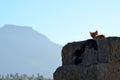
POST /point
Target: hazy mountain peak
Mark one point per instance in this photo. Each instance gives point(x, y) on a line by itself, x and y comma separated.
point(11, 26)
point(27, 50)
point(15, 32)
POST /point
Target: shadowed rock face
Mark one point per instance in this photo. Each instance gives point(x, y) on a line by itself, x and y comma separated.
point(78, 55)
point(78, 58)
point(92, 44)
point(93, 59)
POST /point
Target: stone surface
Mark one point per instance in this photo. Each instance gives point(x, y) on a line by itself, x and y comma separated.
point(92, 59)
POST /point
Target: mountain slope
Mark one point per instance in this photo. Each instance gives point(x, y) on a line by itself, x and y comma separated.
point(24, 50)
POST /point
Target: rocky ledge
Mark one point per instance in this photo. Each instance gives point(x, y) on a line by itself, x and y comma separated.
point(92, 59)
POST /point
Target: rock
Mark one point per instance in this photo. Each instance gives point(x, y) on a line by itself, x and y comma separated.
point(92, 59)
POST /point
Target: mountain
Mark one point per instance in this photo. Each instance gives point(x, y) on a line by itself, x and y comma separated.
point(24, 50)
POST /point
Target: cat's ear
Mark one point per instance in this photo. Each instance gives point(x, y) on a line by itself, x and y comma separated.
point(90, 32)
point(96, 32)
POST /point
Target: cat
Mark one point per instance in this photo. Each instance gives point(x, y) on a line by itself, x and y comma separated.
point(95, 35)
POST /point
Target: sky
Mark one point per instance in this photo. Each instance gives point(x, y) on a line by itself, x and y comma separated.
point(63, 21)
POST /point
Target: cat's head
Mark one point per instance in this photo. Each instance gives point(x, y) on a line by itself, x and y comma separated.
point(94, 34)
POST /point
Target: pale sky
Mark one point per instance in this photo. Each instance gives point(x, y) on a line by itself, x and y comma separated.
point(63, 21)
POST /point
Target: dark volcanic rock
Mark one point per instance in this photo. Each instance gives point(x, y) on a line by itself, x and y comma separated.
point(93, 59)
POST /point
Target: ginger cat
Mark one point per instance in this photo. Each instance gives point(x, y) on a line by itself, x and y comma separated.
point(96, 35)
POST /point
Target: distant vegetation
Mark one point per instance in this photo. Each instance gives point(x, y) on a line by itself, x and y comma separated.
point(23, 77)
